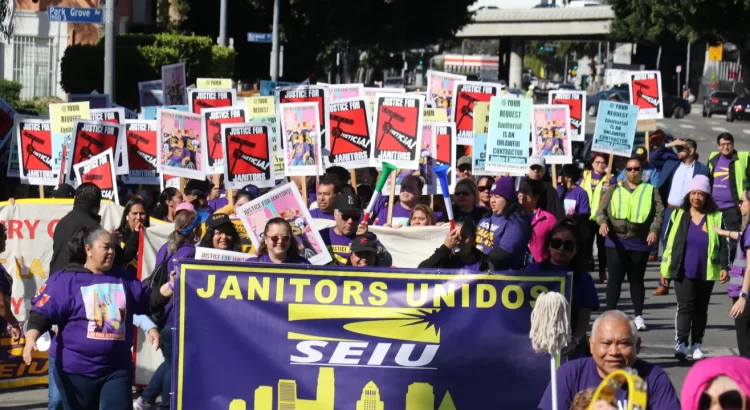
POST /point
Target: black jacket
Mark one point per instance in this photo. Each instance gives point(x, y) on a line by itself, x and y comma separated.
point(80, 216)
point(445, 258)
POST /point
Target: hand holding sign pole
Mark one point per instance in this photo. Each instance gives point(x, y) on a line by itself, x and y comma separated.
point(442, 174)
point(387, 170)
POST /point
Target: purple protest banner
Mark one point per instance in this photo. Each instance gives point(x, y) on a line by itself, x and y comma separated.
point(309, 337)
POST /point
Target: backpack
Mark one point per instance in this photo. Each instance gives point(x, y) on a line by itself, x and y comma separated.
point(159, 276)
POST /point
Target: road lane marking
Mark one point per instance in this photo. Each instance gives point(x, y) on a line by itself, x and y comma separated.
point(688, 126)
point(719, 129)
point(746, 131)
point(713, 122)
point(661, 125)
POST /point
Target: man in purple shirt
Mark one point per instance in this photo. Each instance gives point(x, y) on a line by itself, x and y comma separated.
point(328, 189)
point(614, 346)
point(348, 214)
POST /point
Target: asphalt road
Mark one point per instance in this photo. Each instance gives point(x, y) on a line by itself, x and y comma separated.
point(658, 342)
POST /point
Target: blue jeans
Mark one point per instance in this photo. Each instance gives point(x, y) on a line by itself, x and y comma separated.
point(111, 392)
point(54, 398)
point(166, 386)
point(154, 388)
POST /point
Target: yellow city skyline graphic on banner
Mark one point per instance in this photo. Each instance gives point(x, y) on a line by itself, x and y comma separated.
point(419, 396)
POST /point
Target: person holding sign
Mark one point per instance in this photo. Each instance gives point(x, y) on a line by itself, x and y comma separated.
point(276, 244)
point(504, 236)
point(576, 202)
point(221, 234)
point(696, 257)
point(595, 182)
point(630, 217)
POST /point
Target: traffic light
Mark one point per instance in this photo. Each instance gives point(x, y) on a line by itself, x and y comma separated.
point(575, 67)
point(497, 52)
point(541, 47)
point(420, 61)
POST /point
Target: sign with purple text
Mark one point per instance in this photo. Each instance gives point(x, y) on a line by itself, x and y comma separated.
point(330, 338)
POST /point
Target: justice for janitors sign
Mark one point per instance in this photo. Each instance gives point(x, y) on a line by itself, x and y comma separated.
point(329, 337)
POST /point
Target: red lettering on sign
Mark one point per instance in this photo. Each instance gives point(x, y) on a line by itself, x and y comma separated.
point(16, 302)
point(32, 227)
point(51, 227)
point(14, 229)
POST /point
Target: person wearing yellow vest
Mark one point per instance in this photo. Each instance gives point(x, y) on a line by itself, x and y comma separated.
point(630, 216)
point(729, 177)
point(694, 257)
point(595, 182)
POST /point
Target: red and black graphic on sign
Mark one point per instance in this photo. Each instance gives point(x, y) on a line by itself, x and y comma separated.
point(90, 139)
point(396, 129)
point(110, 115)
point(213, 120)
point(646, 93)
point(35, 139)
point(99, 171)
point(200, 99)
point(575, 102)
point(350, 133)
point(141, 141)
point(444, 148)
point(249, 155)
point(468, 94)
point(309, 94)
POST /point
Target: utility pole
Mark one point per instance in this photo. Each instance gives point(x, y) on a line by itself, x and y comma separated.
point(275, 42)
point(223, 23)
point(687, 67)
point(109, 49)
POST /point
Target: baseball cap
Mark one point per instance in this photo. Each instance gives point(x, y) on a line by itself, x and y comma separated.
point(465, 160)
point(185, 206)
point(348, 202)
point(536, 161)
point(216, 220)
point(364, 243)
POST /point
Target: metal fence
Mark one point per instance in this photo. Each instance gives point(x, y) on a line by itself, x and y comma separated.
point(34, 65)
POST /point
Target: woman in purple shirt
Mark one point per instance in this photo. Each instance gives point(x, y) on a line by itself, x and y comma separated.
point(695, 257)
point(276, 244)
point(93, 305)
point(575, 202)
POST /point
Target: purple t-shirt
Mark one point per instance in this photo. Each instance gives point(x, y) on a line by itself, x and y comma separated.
point(509, 234)
point(6, 289)
point(216, 204)
point(400, 214)
point(721, 191)
point(735, 273)
point(300, 150)
point(185, 250)
point(292, 260)
point(94, 313)
point(338, 245)
point(575, 199)
point(696, 250)
point(595, 178)
point(178, 154)
point(581, 374)
point(630, 244)
point(319, 214)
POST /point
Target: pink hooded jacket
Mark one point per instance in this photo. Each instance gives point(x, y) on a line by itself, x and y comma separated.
point(705, 371)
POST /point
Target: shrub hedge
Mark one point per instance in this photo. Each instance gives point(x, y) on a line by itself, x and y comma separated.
point(139, 57)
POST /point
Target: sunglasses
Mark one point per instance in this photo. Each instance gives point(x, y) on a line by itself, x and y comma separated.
point(567, 245)
point(633, 169)
point(350, 215)
point(483, 188)
point(730, 400)
point(462, 193)
point(275, 239)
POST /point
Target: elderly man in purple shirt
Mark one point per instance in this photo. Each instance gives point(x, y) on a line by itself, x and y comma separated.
point(614, 346)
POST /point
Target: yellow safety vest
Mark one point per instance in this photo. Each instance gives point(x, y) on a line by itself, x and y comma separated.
point(713, 267)
point(595, 196)
point(740, 167)
point(634, 207)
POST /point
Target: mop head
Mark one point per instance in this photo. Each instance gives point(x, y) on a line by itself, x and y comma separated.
point(550, 324)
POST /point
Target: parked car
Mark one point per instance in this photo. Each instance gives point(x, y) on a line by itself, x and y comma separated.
point(717, 103)
point(566, 86)
point(584, 3)
point(673, 106)
point(739, 109)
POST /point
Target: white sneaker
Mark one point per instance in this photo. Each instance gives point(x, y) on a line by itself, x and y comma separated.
point(681, 351)
point(139, 404)
point(697, 351)
point(640, 324)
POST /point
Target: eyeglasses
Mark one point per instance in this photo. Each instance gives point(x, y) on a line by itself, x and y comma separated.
point(462, 193)
point(726, 144)
point(600, 163)
point(633, 169)
point(350, 215)
point(275, 239)
point(483, 188)
point(567, 245)
point(730, 400)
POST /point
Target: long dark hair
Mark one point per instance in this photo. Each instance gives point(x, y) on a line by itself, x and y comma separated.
point(293, 249)
point(162, 209)
point(577, 264)
point(85, 235)
point(709, 205)
point(569, 171)
point(124, 228)
point(208, 238)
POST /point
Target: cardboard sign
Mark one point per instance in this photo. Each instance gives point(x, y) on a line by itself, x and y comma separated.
point(211, 121)
point(35, 152)
point(91, 138)
point(576, 101)
point(309, 93)
point(645, 93)
point(7, 115)
point(150, 93)
point(481, 129)
point(508, 135)
point(249, 152)
point(180, 150)
point(174, 85)
point(398, 129)
point(111, 115)
point(371, 93)
point(351, 133)
point(438, 148)
point(345, 91)
point(466, 95)
point(200, 99)
point(207, 83)
point(14, 167)
point(141, 141)
point(433, 114)
point(440, 88)
point(61, 120)
point(615, 128)
point(551, 133)
point(169, 181)
point(278, 152)
point(95, 100)
point(300, 136)
point(100, 171)
point(258, 107)
point(267, 88)
point(149, 113)
point(210, 254)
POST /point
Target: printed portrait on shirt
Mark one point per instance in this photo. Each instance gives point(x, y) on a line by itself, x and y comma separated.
point(106, 311)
